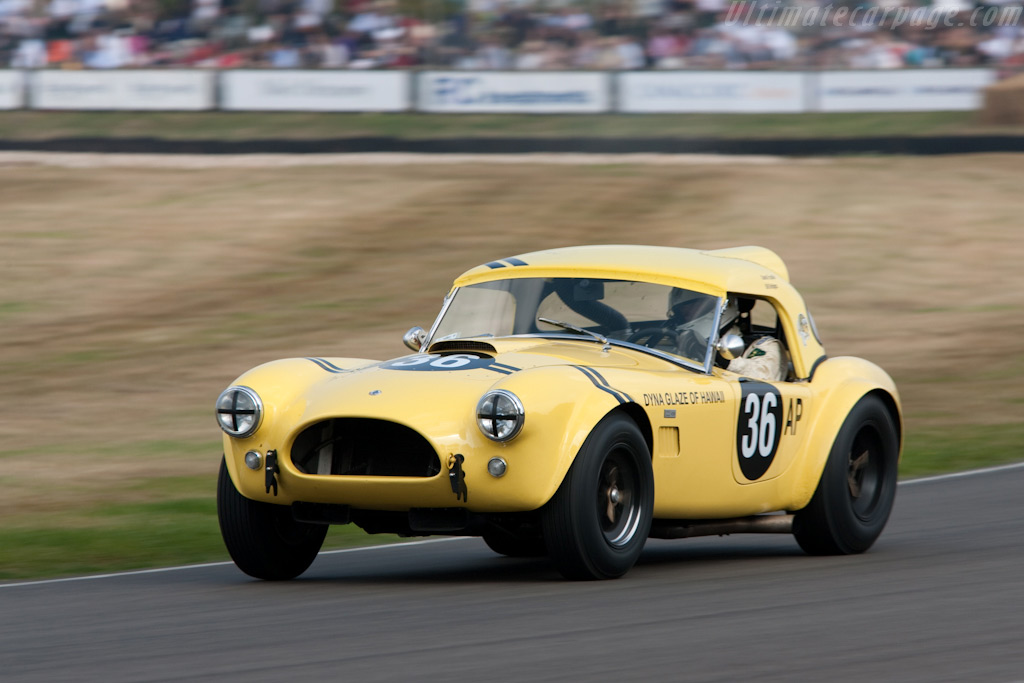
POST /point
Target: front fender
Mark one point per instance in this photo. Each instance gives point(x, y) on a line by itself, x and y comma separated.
point(282, 386)
point(562, 408)
point(839, 384)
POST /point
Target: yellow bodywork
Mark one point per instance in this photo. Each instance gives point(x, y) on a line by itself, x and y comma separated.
point(566, 386)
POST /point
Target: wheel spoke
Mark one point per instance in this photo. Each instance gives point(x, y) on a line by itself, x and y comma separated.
point(611, 492)
point(853, 476)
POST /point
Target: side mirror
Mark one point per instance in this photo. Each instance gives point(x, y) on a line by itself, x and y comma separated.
point(731, 346)
point(415, 338)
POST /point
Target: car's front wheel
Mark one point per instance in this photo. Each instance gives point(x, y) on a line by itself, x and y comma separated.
point(856, 492)
point(263, 539)
point(596, 524)
point(511, 545)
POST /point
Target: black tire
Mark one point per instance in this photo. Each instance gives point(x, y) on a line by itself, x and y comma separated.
point(855, 495)
point(263, 539)
point(510, 545)
point(596, 524)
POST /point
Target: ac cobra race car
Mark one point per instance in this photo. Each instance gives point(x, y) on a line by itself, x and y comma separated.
point(573, 403)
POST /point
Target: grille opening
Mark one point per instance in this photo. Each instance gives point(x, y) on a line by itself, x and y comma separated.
point(364, 447)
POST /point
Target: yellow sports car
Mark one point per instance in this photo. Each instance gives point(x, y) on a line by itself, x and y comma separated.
point(573, 403)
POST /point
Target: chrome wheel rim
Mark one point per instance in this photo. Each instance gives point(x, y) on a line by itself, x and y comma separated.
point(864, 473)
point(618, 499)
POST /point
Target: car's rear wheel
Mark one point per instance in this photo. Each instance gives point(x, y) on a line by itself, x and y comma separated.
point(855, 495)
point(263, 539)
point(596, 524)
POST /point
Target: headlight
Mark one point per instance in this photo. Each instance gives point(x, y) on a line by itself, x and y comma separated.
point(239, 411)
point(500, 415)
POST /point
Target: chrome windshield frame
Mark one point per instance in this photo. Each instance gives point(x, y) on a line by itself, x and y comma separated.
point(709, 352)
point(445, 305)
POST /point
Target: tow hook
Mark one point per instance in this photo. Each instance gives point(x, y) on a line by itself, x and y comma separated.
point(271, 472)
point(457, 477)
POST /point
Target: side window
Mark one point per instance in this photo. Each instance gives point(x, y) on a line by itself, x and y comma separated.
point(759, 319)
point(763, 319)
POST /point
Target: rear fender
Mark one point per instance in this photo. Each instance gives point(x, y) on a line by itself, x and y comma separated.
point(839, 384)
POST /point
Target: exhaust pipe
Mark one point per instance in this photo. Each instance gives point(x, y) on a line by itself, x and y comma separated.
point(691, 528)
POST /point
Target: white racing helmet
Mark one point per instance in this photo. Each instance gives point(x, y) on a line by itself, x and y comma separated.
point(686, 306)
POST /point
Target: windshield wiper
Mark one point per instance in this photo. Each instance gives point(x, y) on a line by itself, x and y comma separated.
point(575, 328)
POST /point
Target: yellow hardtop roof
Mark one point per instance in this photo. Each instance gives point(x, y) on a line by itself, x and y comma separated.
point(739, 269)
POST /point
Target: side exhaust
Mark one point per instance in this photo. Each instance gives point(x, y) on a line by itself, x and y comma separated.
point(691, 528)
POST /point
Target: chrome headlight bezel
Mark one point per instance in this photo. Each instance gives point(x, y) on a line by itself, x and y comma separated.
point(500, 415)
point(235, 421)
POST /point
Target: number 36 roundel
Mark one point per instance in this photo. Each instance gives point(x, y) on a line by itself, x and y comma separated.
point(759, 428)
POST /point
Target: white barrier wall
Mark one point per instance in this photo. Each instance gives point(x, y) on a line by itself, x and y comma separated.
point(564, 92)
point(647, 92)
point(917, 90)
point(141, 90)
point(315, 91)
point(12, 89)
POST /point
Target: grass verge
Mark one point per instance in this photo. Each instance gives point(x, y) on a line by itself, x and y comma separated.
point(35, 125)
point(178, 529)
point(938, 451)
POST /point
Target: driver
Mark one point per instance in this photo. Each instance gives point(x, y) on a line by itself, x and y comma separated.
point(765, 358)
point(692, 316)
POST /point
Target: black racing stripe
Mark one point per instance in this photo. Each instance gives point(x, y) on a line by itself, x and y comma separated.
point(514, 261)
point(332, 366)
point(501, 371)
point(605, 382)
point(494, 264)
point(602, 387)
point(510, 368)
point(324, 365)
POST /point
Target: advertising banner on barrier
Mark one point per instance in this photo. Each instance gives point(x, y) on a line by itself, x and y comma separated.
point(12, 89)
point(910, 90)
point(651, 92)
point(552, 92)
point(141, 90)
point(315, 91)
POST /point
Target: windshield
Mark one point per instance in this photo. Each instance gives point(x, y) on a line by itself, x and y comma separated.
point(659, 317)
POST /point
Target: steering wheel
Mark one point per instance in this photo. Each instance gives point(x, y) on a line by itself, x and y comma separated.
point(654, 335)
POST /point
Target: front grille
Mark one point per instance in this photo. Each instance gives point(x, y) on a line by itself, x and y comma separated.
point(364, 447)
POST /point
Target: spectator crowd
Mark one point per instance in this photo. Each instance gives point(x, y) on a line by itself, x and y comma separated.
point(510, 34)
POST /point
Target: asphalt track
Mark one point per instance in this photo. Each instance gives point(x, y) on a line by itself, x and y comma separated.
point(939, 598)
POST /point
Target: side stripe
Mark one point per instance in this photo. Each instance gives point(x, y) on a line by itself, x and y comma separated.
point(602, 384)
point(629, 399)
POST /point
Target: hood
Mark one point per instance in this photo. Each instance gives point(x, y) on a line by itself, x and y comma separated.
point(452, 375)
